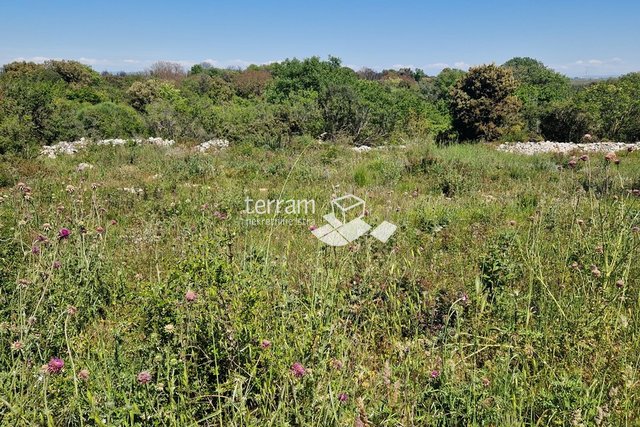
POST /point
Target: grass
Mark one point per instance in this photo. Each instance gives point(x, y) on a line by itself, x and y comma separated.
point(508, 295)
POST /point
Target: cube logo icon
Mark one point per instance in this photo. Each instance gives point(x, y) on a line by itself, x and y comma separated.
point(345, 224)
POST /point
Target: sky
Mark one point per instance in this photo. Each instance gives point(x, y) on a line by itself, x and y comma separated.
point(578, 38)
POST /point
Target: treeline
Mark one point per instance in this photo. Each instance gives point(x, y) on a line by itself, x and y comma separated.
point(271, 104)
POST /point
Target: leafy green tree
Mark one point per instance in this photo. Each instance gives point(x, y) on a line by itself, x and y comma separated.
point(538, 88)
point(73, 72)
point(614, 107)
point(483, 104)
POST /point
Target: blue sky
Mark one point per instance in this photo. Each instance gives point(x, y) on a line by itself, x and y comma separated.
point(578, 38)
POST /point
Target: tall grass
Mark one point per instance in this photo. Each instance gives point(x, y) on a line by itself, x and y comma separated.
point(508, 295)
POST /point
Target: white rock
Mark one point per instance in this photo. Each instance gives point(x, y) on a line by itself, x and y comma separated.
point(531, 148)
point(216, 144)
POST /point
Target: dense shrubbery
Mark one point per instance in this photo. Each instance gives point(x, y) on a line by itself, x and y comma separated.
point(268, 105)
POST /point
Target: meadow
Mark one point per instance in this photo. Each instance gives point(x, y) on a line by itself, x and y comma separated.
point(135, 292)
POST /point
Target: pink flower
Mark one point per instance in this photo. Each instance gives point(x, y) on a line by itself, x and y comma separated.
point(64, 233)
point(55, 365)
point(298, 370)
point(56, 265)
point(312, 227)
point(190, 295)
point(144, 377)
point(265, 344)
point(584, 157)
point(35, 250)
point(435, 374)
point(343, 397)
point(99, 230)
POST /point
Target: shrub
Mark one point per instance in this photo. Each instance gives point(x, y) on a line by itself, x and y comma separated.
point(143, 93)
point(109, 120)
point(565, 122)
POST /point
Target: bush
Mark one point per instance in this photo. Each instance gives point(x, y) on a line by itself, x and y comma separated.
point(565, 122)
point(109, 120)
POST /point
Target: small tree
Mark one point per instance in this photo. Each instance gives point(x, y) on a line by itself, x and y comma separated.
point(483, 104)
point(165, 70)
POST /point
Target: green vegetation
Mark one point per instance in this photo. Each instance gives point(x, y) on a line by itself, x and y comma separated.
point(273, 104)
point(508, 296)
point(136, 290)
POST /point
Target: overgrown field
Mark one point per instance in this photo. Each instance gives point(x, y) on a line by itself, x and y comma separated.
point(508, 295)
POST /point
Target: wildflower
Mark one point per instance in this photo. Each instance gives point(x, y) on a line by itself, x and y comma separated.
point(575, 265)
point(83, 374)
point(337, 364)
point(584, 157)
point(620, 283)
point(70, 189)
point(55, 365)
point(572, 163)
point(17, 346)
point(190, 295)
point(464, 297)
point(64, 233)
point(21, 185)
point(486, 382)
point(32, 320)
point(594, 270)
point(114, 222)
point(312, 227)
point(435, 374)
point(99, 230)
point(46, 226)
point(220, 215)
point(599, 249)
point(298, 370)
point(343, 397)
point(512, 222)
point(610, 156)
point(580, 222)
point(144, 377)
point(56, 265)
point(35, 250)
point(169, 328)
point(265, 344)
point(71, 310)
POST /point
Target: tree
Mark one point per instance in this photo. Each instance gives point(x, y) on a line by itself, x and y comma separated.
point(164, 70)
point(614, 106)
point(483, 104)
point(538, 88)
point(73, 72)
